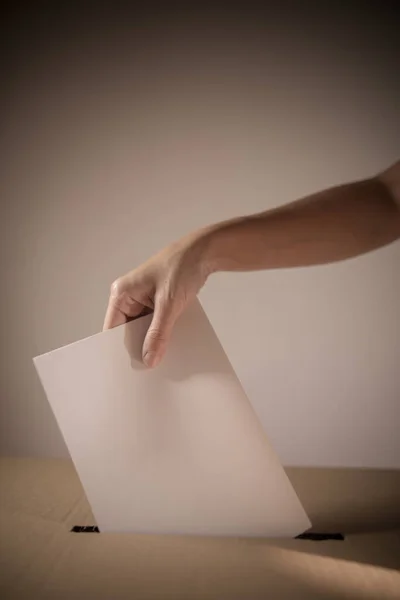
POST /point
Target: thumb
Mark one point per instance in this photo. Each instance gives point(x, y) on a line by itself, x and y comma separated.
point(159, 332)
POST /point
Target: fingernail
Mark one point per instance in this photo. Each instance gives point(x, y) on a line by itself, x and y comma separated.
point(151, 359)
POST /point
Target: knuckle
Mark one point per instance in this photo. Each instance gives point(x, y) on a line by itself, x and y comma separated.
point(118, 287)
point(156, 335)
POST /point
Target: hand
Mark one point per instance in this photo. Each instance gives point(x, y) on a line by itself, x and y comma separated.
point(165, 284)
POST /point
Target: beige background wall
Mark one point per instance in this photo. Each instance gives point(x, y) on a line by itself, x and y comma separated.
point(122, 132)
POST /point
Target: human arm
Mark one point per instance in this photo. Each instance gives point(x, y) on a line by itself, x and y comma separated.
point(332, 225)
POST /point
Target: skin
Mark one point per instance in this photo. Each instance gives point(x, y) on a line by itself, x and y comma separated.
point(332, 225)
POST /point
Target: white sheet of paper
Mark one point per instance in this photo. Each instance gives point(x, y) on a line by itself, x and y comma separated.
point(177, 449)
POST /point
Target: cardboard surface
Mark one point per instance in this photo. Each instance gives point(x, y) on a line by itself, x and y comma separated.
point(177, 449)
point(40, 500)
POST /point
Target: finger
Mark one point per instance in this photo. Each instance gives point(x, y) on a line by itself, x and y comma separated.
point(114, 317)
point(159, 333)
point(120, 309)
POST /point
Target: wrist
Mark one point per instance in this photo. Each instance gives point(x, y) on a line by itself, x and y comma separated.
point(206, 245)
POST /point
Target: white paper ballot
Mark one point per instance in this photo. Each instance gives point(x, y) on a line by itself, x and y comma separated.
point(177, 449)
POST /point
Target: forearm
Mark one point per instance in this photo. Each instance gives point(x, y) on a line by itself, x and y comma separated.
point(329, 226)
